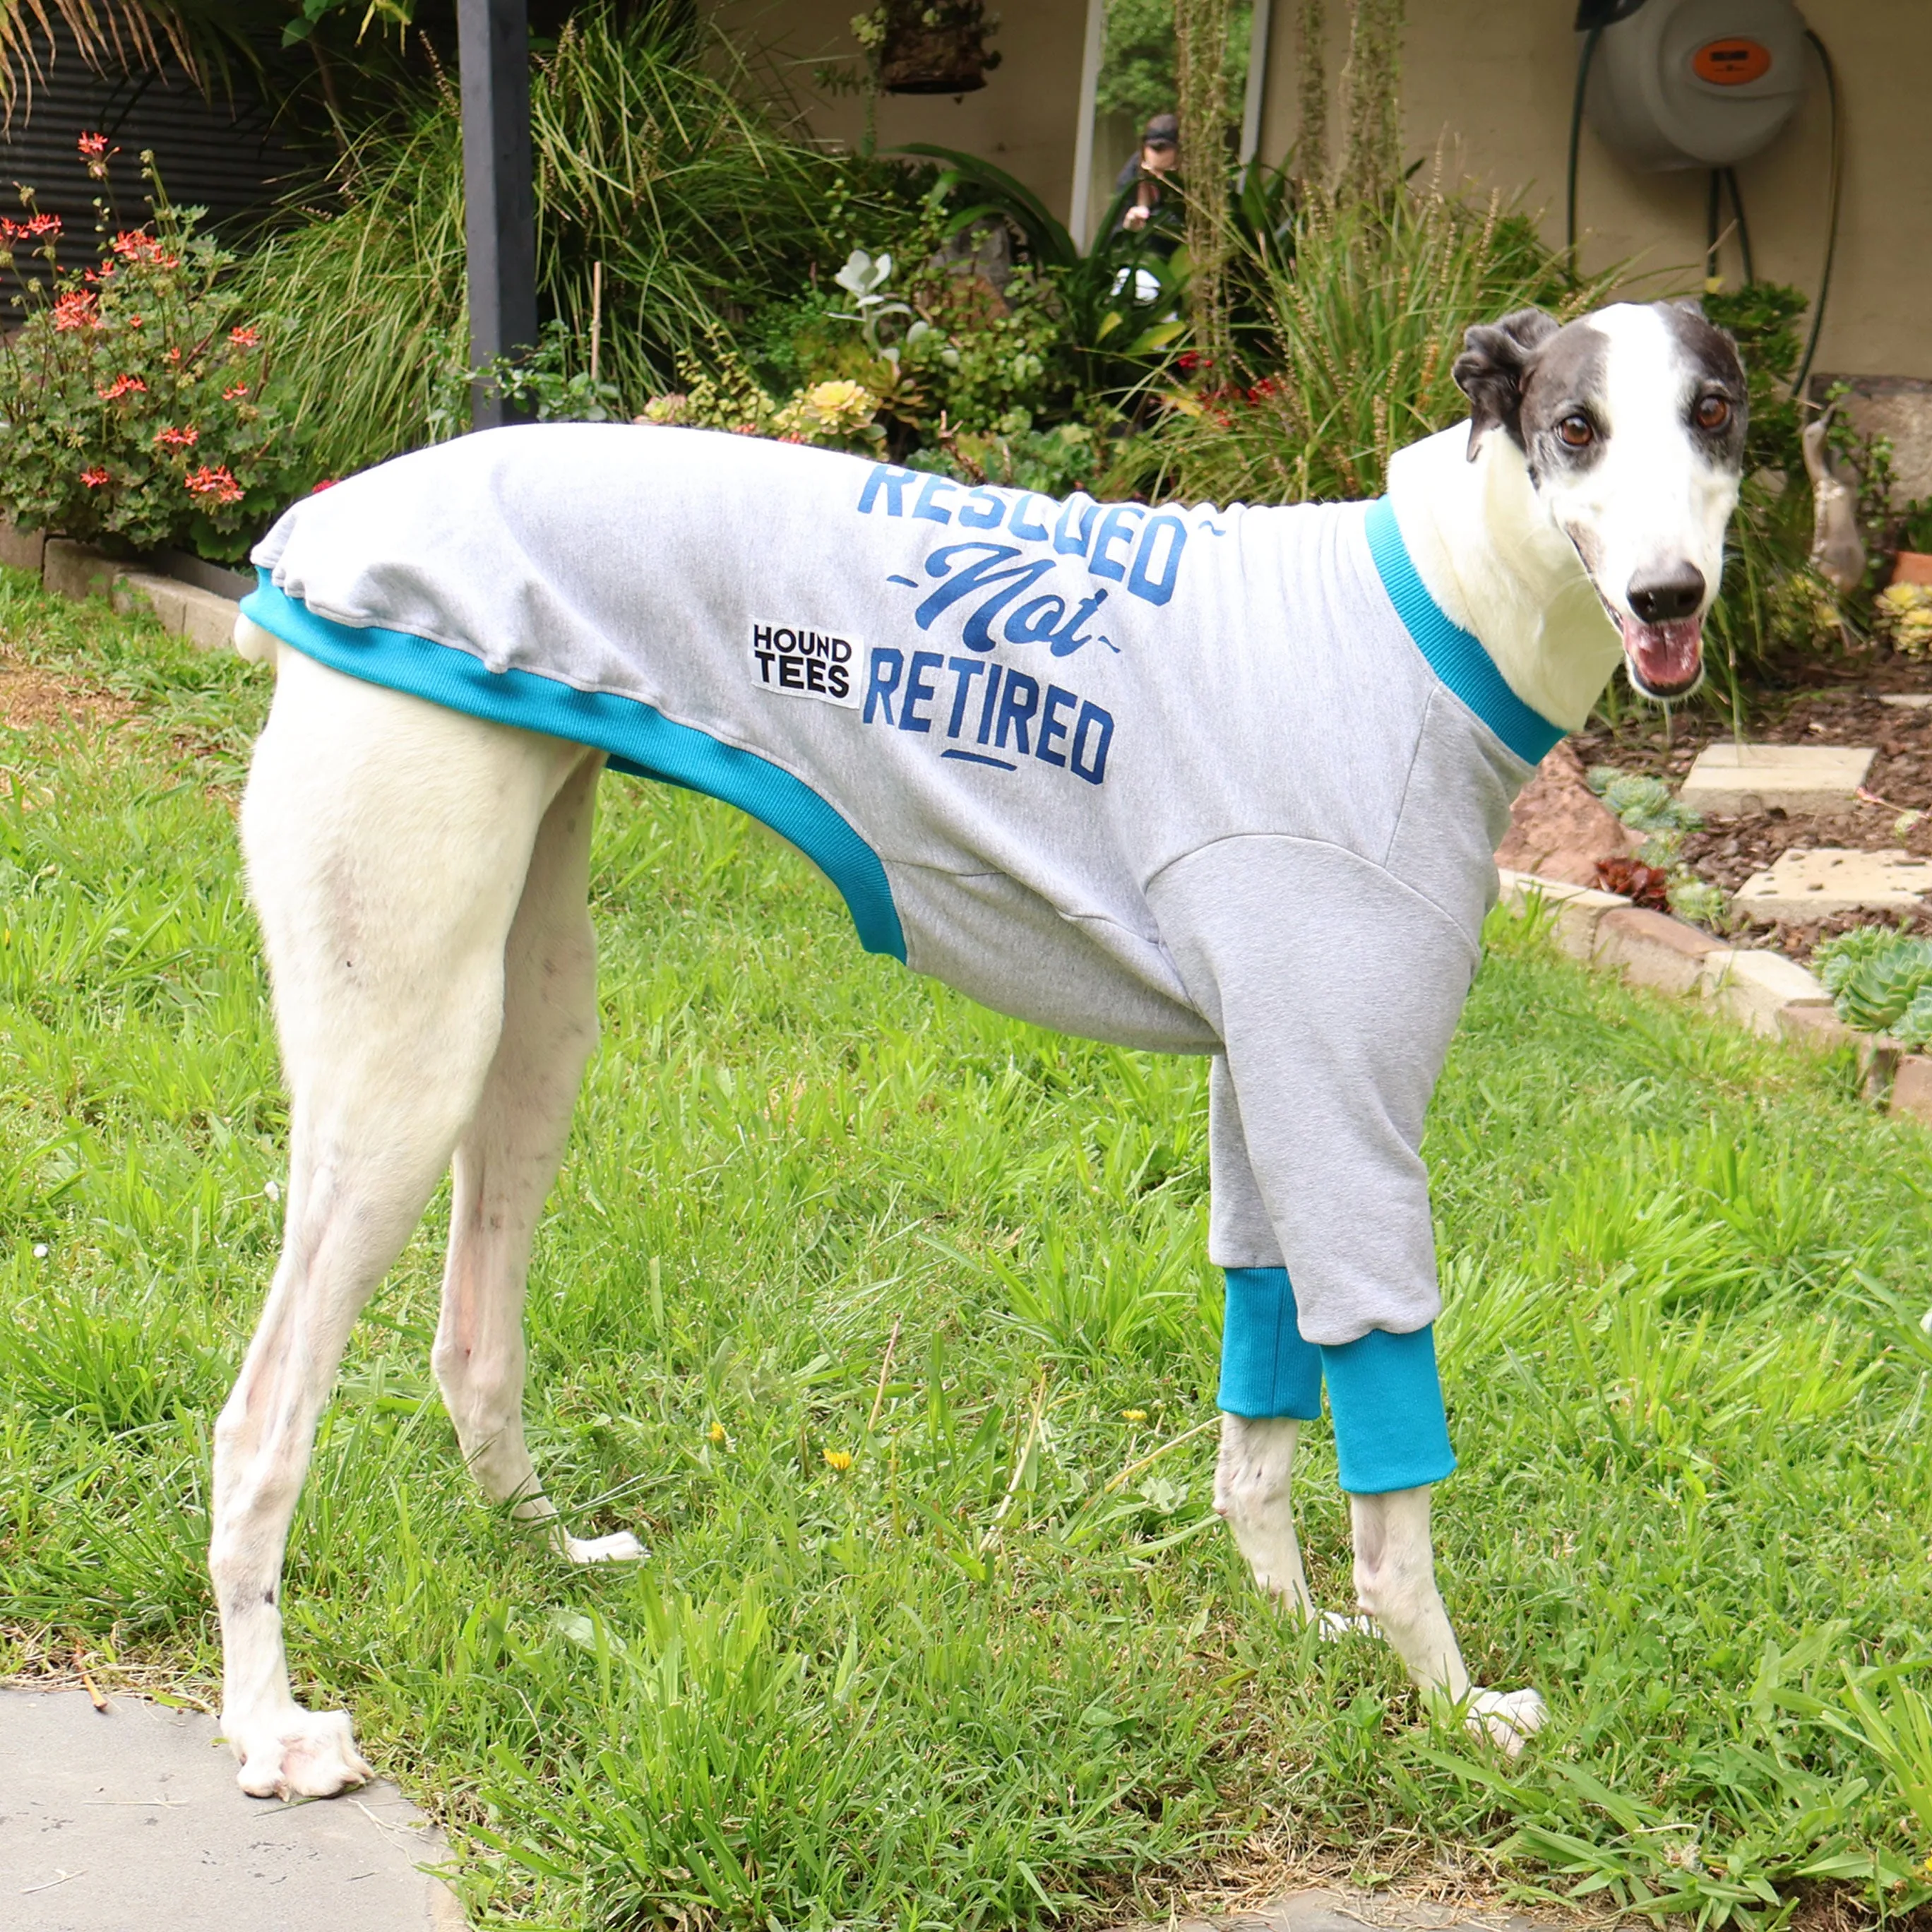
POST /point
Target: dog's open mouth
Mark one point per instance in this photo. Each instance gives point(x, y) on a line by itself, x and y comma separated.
point(1665, 660)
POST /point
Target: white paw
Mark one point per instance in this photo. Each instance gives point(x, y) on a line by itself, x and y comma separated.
point(621, 1548)
point(1331, 1626)
point(1509, 1719)
point(297, 1753)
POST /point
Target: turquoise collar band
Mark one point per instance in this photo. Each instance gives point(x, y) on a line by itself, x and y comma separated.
point(1455, 657)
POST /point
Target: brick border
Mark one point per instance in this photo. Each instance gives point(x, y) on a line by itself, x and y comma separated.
point(1763, 992)
point(77, 571)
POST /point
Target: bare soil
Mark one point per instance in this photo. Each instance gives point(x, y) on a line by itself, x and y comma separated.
point(30, 699)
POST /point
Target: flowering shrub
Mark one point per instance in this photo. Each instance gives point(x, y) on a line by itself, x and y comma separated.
point(135, 402)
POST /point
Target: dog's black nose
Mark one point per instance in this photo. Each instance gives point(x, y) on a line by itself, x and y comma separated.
point(1657, 596)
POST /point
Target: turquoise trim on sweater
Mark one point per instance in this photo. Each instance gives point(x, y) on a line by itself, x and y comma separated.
point(1386, 1397)
point(1456, 658)
point(1390, 1430)
point(1266, 1369)
point(638, 740)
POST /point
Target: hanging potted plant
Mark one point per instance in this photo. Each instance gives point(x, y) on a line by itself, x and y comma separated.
point(928, 46)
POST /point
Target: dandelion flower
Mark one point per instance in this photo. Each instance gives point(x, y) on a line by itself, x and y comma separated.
point(716, 1433)
point(1133, 1415)
point(840, 1460)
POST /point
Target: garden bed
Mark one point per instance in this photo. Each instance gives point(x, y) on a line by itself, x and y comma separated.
point(1728, 851)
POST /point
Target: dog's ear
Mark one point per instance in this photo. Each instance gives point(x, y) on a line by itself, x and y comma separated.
point(1490, 370)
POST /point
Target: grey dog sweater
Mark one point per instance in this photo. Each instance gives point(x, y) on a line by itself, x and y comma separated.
point(1199, 780)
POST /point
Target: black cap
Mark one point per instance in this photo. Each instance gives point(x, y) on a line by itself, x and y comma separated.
point(1162, 131)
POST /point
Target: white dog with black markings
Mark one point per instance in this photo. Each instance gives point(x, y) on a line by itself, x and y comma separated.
point(1223, 782)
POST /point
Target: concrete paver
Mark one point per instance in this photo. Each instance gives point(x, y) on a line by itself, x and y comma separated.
point(130, 1820)
point(1803, 886)
point(1728, 780)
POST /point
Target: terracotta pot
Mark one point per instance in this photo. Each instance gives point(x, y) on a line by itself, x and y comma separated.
point(1912, 566)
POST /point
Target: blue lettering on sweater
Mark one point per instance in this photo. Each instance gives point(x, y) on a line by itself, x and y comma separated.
point(1121, 543)
point(1016, 719)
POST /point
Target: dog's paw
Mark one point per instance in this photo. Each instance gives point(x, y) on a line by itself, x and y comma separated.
point(621, 1548)
point(296, 1754)
point(1509, 1719)
point(1332, 1626)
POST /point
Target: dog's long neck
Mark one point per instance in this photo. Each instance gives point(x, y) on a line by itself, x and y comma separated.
point(1493, 559)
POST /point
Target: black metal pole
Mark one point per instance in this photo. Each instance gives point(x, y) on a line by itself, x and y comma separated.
point(499, 198)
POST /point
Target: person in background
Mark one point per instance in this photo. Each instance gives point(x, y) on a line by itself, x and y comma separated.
point(1155, 205)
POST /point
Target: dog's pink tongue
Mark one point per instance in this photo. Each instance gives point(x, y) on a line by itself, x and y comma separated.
point(1667, 656)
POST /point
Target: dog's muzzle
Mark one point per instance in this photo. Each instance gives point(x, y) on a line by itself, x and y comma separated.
point(1663, 630)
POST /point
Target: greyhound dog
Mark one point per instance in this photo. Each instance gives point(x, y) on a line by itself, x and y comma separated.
point(1205, 780)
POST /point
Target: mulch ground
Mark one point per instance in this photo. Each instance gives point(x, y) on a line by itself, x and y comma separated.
point(1729, 851)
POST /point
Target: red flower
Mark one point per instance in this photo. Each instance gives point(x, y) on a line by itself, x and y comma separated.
point(38, 225)
point(177, 438)
point(76, 310)
point(327, 483)
point(244, 338)
point(133, 321)
point(235, 394)
point(213, 484)
point(93, 478)
point(94, 150)
point(1188, 363)
point(122, 385)
point(135, 245)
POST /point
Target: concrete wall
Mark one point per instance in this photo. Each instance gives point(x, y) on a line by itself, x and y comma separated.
point(1493, 79)
point(1023, 118)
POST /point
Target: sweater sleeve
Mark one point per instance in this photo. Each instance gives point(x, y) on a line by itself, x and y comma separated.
point(1334, 989)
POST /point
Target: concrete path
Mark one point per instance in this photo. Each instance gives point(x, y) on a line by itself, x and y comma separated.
point(129, 1820)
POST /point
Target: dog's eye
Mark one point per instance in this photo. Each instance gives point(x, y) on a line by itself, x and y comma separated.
point(1712, 412)
point(1577, 430)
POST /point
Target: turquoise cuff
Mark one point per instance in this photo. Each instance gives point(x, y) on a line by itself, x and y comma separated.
point(1266, 1369)
point(1391, 1431)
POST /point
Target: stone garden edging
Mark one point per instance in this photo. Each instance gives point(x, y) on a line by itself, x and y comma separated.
point(78, 570)
point(1762, 991)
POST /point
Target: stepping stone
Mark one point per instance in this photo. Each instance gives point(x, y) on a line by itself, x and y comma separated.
point(1803, 886)
point(129, 1819)
point(1908, 701)
point(1729, 781)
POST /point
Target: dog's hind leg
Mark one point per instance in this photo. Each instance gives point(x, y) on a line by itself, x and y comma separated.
point(387, 842)
point(1395, 1583)
point(508, 1156)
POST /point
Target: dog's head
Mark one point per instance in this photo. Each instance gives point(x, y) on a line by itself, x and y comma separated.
point(1632, 422)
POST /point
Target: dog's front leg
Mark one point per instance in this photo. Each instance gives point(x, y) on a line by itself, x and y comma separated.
point(1251, 1491)
point(1395, 1584)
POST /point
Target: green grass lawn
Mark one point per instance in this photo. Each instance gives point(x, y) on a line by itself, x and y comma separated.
point(1004, 1664)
